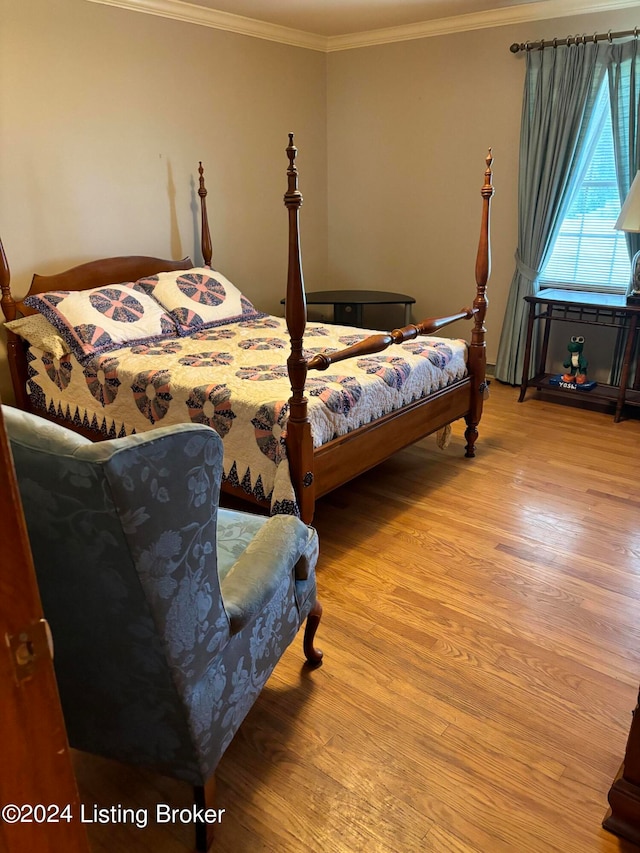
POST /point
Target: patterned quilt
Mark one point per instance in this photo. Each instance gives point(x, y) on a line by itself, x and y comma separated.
point(234, 378)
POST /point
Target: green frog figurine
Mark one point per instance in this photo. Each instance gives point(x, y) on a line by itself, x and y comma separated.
point(576, 365)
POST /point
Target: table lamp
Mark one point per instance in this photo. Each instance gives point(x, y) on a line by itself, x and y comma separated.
point(629, 220)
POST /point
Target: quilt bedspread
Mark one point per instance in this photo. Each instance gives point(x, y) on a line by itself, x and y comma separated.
point(234, 378)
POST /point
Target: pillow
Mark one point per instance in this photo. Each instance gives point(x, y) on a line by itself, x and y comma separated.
point(198, 298)
point(38, 332)
point(103, 318)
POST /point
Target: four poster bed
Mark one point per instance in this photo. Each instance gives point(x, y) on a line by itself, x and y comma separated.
point(120, 345)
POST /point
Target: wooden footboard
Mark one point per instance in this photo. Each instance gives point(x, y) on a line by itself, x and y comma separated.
point(315, 473)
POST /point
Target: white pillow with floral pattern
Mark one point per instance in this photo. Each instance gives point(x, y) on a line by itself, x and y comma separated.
point(103, 318)
point(198, 298)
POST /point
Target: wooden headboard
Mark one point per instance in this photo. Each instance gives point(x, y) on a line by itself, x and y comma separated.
point(85, 276)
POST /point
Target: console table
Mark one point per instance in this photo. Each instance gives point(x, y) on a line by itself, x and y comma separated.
point(348, 304)
point(591, 309)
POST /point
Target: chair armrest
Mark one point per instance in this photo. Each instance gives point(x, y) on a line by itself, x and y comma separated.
point(271, 556)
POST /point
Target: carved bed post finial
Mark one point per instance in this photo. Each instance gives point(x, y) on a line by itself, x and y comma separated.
point(295, 306)
point(298, 429)
point(478, 345)
point(483, 260)
point(207, 248)
point(292, 175)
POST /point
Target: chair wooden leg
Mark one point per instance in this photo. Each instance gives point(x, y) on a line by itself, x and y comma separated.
point(203, 797)
point(313, 655)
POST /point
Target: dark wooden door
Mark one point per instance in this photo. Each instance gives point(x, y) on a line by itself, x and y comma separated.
point(36, 775)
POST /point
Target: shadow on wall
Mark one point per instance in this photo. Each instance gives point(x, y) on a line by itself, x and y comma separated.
point(174, 231)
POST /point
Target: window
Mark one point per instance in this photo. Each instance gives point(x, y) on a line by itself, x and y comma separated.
point(588, 253)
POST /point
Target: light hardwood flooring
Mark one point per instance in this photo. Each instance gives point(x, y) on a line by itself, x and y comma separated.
point(481, 633)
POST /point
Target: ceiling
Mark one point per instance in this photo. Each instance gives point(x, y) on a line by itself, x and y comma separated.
point(341, 17)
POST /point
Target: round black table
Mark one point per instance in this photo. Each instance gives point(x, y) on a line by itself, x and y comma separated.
point(348, 304)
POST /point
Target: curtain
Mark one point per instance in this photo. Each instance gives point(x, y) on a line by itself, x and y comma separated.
point(623, 66)
point(624, 80)
point(560, 91)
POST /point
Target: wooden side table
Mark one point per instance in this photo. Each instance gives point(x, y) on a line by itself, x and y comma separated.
point(348, 304)
point(591, 309)
point(623, 817)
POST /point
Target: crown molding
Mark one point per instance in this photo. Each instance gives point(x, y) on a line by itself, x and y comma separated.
point(538, 11)
point(192, 13)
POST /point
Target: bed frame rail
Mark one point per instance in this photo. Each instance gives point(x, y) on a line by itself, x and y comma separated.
point(381, 342)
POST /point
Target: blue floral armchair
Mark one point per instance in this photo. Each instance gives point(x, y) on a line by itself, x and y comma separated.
point(168, 614)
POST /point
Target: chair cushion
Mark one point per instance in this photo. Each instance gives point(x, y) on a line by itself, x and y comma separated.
point(235, 530)
point(282, 547)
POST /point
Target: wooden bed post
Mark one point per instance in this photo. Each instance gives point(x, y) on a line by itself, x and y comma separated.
point(7, 301)
point(299, 440)
point(205, 233)
point(478, 346)
point(15, 354)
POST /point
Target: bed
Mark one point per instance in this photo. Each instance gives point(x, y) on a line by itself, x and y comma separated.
point(302, 407)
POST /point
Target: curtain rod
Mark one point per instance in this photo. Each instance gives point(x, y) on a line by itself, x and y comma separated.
point(583, 39)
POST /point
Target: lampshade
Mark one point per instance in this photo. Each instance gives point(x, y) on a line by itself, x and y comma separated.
point(629, 219)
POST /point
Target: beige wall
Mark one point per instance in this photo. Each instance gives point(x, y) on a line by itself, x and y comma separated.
point(104, 114)
point(409, 125)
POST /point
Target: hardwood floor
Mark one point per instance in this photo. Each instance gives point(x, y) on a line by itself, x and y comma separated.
point(481, 633)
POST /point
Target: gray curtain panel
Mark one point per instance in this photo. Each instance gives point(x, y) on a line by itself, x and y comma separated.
point(560, 91)
point(624, 82)
point(623, 65)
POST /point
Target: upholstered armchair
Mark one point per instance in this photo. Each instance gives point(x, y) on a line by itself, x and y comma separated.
point(168, 614)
